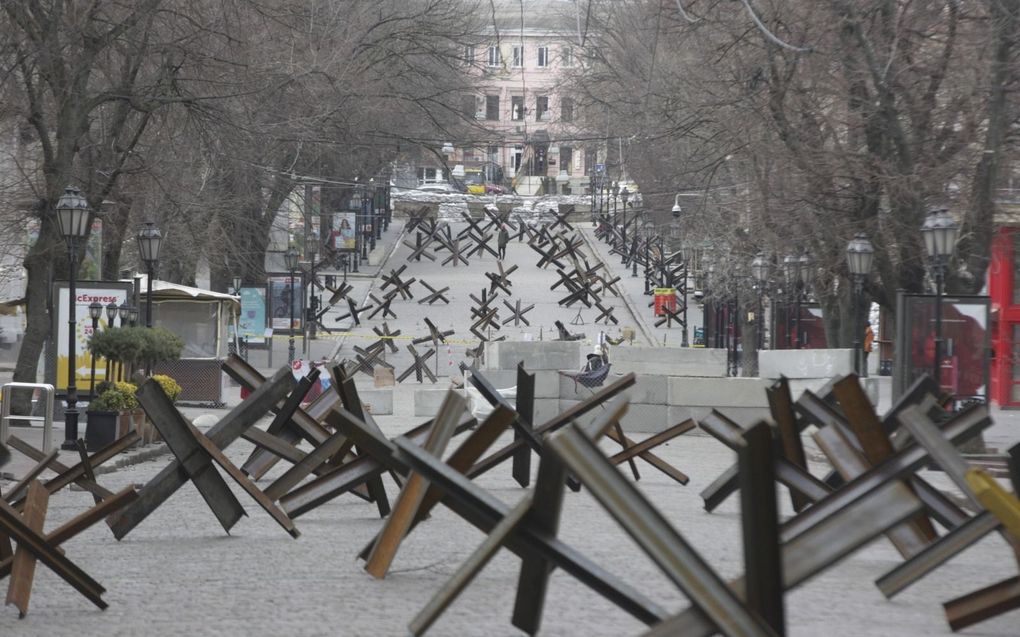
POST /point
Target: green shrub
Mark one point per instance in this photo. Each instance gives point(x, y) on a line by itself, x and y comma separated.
point(118, 397)
point(169, 385)
point(136, 345)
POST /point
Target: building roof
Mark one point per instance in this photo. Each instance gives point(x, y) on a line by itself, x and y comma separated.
point(533, 17)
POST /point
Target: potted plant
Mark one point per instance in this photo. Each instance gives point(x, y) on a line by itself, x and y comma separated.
point(106, 414)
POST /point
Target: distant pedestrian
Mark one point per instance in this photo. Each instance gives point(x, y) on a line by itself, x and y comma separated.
point(502, 240)
point(869, 343)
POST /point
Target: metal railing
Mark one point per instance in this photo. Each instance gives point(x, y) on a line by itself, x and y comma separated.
point(47, 417)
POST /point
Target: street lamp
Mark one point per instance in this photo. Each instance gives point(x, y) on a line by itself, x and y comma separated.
point(676, 207)
point(939, 231)
point(803, 279)
point(235, 283)
point(149, 242)
point(760, 272)
point(624, 196)
point(123, 311)
point(73, 218)
point(859, 253)
point(133, 315)
point(95, 313)
point(291, 258)
point(791, 273)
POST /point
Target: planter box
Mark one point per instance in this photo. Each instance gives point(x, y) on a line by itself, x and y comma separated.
point(101, 429)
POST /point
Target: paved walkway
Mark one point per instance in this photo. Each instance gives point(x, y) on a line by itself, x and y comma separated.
point(178, 573)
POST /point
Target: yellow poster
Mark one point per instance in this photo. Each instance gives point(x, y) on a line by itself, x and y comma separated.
point(85, 296)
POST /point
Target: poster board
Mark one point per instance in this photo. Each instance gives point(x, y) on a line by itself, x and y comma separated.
point(251, 322)
point(87, 291)
point(280, 301)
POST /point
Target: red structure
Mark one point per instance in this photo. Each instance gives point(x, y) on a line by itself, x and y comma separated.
point(1004, 289)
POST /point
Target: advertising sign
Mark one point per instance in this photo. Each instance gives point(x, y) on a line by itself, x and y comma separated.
point(342, 236)
point(104, 292)
point(664, 298)
point(251, 323)
point(285, 303)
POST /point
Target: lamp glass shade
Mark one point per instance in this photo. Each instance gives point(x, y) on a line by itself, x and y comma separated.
point(123, 311)
point(859, 253)
point(150, 239)
point(939, 231)
point(805, 269)
point(73, 214)
point(291, 258)
point(236, 282)
point(111, 312)
point(95, 310)
point(759, 267)
point(791, 269)
point(132, 314)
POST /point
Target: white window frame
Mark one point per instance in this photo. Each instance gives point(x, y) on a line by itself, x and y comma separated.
point(567, 56)
point(469, 54)
point(492, 58)
point(542, 115)
point(517, 56)
point(543, 56)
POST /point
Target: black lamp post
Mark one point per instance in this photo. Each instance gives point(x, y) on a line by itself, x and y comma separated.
point(615, 190)
point(313, 306)
point(791, 272)
point(760, 272)
point(149, 242)
point(73, 219)
point(624, 197)
point(591, 192)
point(95, 313)
point(939, 231)
point(859, 253)
point(649, 233)
point(291, 258)
point(802, 287)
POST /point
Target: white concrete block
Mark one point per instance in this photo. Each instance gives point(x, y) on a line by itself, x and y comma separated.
point(668, 361)
point(805, 363)
point(536, 355)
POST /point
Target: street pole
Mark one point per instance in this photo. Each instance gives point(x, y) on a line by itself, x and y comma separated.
point(290, 301)
point(796, 316)
point(71, 413)
point(855, 321)
point(936, 372)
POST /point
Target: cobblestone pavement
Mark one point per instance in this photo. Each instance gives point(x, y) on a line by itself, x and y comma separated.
point(178, 574)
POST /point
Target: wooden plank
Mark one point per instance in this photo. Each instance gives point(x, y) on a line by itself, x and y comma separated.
point(36, 454)
point(657, 538)
point(983, 604)
point(32, 474)
point(759, 521)
point(867, 428)
point(194, 461)
point(12, 524)
point(907, 539)
point(79, 523)
point(467, 571)
point(23, 563)
point(964, 424)
point(228, 429)
point(904, 574)
point(781, 407)
point(555, 423)
point(301, 469)
point(525, 406)
point(485, 511)
point(830, 538)
point(388, 541)
point(461, 460)
point(245, 483)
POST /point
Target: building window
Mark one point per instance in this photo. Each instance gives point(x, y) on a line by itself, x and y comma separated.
point(493, 59)
point(541, 108)
point(493, 154)
point(428, 175)
point(567, 159)
point(492, 107)
point(567, 55)
point(517, 107)
point(567, 109)
point(468, 105)
point(469, 54)
point(543, 56)
point(518, 56)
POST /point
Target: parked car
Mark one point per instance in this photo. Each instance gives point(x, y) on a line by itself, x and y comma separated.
point(441, 186)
